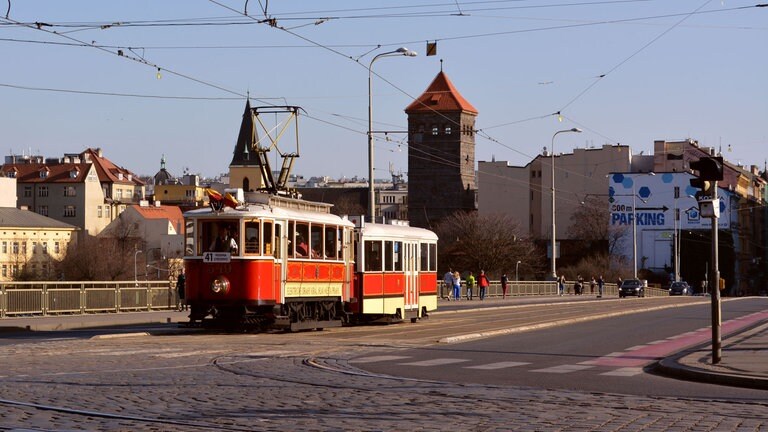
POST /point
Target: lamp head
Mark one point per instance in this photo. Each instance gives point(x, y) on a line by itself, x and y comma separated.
point(406, 52)
point(576, 130)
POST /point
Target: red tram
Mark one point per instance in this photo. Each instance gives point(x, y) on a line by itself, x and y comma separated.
point(280, 262)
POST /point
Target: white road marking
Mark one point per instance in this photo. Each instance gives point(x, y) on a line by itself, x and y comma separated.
point(380, 358)
point(435, 362)
point(563, 369)
point(499, 365)
point(625, 371)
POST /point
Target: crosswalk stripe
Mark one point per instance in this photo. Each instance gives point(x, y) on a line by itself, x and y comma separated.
point(374, 359)
point(499, 365)
point(563, 368)
point(435, 362)
point(625, 371)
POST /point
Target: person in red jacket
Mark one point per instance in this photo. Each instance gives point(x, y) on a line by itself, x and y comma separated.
point(482, 282)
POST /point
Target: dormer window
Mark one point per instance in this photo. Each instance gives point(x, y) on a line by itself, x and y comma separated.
point(44, 172)
point(119, 176)
point(11, 173)
point(74, 173)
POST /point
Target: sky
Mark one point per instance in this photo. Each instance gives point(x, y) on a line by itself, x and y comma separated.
point(624, 71)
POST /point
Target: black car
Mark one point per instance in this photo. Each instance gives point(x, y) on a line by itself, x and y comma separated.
point(680, 288)
point(632, 287)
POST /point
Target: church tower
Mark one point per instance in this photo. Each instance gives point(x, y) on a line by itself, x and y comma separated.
point(441, 154)
point(244, 170)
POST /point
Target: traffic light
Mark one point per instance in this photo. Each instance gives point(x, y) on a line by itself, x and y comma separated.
point(704, 188)
point(709, 168)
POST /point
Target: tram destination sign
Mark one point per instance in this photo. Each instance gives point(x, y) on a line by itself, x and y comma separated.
point(216, 257)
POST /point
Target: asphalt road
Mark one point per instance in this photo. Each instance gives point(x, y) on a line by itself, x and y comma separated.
point(167, 379)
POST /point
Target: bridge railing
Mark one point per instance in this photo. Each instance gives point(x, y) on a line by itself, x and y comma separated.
point(55, 298)
point(544, 288)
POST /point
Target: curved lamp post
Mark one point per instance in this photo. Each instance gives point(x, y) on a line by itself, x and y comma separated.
point(554, 225)
point(371, 192)
point(517, 265)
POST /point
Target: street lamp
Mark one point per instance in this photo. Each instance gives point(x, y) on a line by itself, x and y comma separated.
point(371, 192)
point(517, 265)
point(135, 276)
point(554, 225)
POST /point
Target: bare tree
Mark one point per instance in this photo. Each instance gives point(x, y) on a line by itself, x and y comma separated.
point(492, 243)
point(598, 240)
point(104, 258)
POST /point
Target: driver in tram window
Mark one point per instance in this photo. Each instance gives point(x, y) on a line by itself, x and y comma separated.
point(224, 242)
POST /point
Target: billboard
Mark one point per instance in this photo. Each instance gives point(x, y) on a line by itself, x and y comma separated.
point(655, 199)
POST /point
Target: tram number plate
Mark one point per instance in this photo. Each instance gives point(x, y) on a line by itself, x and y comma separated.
point(216, 257)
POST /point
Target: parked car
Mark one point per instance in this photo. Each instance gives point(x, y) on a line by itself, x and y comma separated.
point(680, 288)
point(632, 287)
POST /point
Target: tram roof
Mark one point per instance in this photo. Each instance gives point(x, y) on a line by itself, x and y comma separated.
point(265, 211)
point(397, 231)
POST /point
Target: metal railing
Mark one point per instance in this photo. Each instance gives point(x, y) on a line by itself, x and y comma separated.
point(539, 288)
point(55, 298)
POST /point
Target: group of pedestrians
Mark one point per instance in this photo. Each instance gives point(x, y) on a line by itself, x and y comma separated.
point(579, 285)
point(452, 285)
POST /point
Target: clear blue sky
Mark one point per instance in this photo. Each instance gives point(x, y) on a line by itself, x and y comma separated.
point(671, 69)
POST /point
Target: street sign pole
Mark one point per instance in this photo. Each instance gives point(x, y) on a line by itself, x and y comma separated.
point(715, 281)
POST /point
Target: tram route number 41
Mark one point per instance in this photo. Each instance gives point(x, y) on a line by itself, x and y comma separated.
point(216, 257)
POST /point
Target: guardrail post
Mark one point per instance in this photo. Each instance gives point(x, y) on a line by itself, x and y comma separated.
point(118, 296)
point(83, 299)
point(149, 296)
point(3, 301)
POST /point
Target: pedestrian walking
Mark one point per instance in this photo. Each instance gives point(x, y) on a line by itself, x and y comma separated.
point(592, 284)
point(447, 285)
point(181, 283)
point(504, 281)
point(456, 286)
point(600, 284)
point(470, 285)
point(482, 281)
point(561, 285)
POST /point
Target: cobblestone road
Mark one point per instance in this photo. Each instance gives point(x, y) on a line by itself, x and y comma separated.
point(300, 382)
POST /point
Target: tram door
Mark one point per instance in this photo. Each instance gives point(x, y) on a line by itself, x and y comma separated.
point(280, 253)
point(410, 267)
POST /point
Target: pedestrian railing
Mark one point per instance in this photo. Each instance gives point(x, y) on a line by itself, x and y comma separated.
point(540, 288)
point(55, 298)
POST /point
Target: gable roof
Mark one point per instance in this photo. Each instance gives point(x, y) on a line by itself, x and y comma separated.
point(11, 217)
point(441, 95)
point(171, 213)
point(108, 171)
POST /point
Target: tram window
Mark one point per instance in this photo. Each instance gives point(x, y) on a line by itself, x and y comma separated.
point(291, 239)
point(302, 234)
point(398, 256)
point(424, 261)
point(316, 240)
point(388, 255)
point(266, 238)
point(372, 256)
point(252, 237)
point(331, 242)
point(189, 238)
point(432, 257)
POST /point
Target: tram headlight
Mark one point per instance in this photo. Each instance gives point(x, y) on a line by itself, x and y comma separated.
point(220, 285)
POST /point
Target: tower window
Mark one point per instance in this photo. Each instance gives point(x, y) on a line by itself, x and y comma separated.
point(434, 130)
point(447, 130)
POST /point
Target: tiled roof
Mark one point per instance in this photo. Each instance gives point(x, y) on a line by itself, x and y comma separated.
point(172, 213)
point(441, 95)
point(108, 171)
point(14, 218)
point(57, 173)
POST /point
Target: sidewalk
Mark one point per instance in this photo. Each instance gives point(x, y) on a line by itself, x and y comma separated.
point(744, 359)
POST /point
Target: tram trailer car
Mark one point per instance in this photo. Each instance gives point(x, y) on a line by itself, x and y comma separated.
point(277, 262)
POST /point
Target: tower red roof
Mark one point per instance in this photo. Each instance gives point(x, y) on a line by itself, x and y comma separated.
point(441, 95)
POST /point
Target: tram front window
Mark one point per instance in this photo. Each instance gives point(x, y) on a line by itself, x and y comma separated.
point(373, 258)
point(252, 237)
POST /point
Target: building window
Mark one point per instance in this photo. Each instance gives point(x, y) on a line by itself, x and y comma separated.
point(27, 191)
point(42, 191)
point(5, 270)
point(56, 248)
point(5, 247)
point(24, 248)
point(434, 130)
point(15, 248)
point(70, 211)
point(42, 210)
point(107, 212)
point(447, 130)
point(45, 247)
point(34, 247)
point(70, 191)
point(98, 211)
